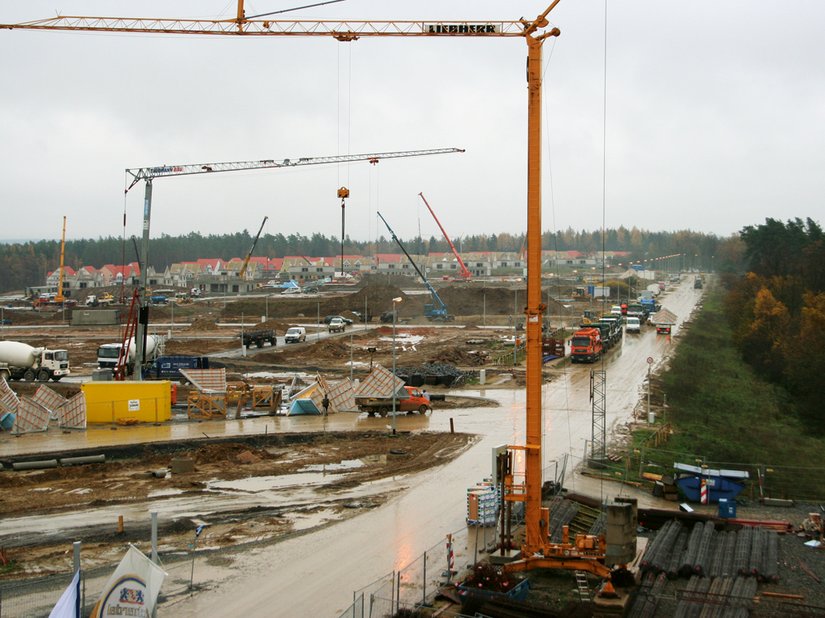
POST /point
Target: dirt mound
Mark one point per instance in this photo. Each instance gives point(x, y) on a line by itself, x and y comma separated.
point(206, 322)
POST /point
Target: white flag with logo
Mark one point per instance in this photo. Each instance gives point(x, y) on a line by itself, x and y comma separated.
point(133, 588)
point(68, 605)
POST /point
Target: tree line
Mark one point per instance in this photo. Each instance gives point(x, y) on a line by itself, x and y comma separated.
point(27, 264)
point(777, 309)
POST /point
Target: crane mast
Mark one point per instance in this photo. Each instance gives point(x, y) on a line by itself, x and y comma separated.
point(465, 273)
point(59, 298)
point(537, 550)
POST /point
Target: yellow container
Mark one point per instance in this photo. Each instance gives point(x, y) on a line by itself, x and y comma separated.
point(128, 402)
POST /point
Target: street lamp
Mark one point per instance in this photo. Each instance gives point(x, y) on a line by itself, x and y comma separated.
point(395, 301)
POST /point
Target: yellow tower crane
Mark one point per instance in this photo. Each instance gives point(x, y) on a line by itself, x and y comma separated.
point(537, 551)
point(59, 298)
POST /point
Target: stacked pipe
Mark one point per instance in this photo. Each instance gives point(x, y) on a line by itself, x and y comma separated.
point(743, 551)
point(770, 563)
point(701, 560)
point(741, 597)
point(677, 554)
point(717, 598)
point(692, 549)
point(647, 603)
point(561, 514)
point(658, 553)
point(758, 541)
point(728, 555)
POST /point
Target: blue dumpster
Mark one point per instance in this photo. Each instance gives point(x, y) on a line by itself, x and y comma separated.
point(727, 508)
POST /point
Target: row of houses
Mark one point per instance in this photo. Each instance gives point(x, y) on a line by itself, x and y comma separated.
point(219, 275)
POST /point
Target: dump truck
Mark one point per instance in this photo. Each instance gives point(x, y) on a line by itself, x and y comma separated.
point(411, 400)
point(586, 345)
point(258, 338)
point(610, 329)
point(20, 361)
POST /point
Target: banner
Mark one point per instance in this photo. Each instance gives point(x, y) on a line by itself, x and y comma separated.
point(133, 588)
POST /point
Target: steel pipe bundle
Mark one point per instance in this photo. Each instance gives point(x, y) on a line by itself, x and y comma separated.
point(677, 554)
point(700, 562)
point(692, 549)
point(743, 551)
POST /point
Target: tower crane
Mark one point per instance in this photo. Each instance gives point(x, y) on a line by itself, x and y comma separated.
point(465, 273)
point(242, 271)
point(149, 174)
point(536, 551)
point(59, 298)
point(436, 310)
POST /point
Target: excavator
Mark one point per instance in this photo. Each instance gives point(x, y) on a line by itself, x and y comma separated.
point(435, 311)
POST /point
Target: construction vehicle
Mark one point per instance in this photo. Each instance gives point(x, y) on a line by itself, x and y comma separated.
point(586, 345)
point(412, 400)
point(583, 552)
point(464, 272)
point(258, 338)
point(109, 354)
point(436, 310)
point(697, 282)
point(242, 271)
point(20, 361)
point(610, 329)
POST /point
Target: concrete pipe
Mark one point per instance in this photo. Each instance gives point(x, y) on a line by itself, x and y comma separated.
point(35, 465)
point(86, 459)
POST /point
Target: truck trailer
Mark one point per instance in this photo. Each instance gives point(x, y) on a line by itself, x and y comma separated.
point(412, 400)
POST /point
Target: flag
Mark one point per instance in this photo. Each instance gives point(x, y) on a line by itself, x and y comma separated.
point(132, 589)
point(68, 605)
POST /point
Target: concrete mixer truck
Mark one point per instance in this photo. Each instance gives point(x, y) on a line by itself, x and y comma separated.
point(20, 361)
point(108, 353)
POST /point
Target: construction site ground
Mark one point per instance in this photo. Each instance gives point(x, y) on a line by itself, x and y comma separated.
point(475, 340)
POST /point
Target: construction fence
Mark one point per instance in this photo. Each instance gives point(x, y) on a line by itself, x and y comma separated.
point(35, 598)
point(416, 584)
point(804, 484)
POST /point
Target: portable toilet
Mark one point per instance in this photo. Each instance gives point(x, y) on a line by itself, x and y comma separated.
point(727, 508)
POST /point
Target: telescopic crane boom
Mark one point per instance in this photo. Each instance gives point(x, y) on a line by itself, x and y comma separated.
point(465, 273)
point(242, 272)
point(437, 310)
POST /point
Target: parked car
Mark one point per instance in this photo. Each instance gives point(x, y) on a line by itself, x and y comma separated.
point(295, 334)
point(337, 325)
point(5, 322)
point(633, 325)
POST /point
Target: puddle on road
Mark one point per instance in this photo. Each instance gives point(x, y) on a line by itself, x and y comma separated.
point(306, 521)
point(347, 464)
point(257, 484)
point(161, 493)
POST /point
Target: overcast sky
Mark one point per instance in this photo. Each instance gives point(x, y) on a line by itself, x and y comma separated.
point(715, 119)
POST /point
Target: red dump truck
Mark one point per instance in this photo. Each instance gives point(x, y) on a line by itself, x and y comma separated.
point(586, 345)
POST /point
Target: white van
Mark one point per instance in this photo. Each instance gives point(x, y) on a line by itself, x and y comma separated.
point(296, 334)
point(633, 325)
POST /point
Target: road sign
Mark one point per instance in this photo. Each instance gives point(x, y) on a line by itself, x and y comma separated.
point(649, 360)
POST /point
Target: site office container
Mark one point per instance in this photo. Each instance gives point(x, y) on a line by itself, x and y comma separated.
point(113, 402)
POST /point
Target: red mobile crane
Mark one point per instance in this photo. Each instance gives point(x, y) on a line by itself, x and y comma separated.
point(465, 273)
